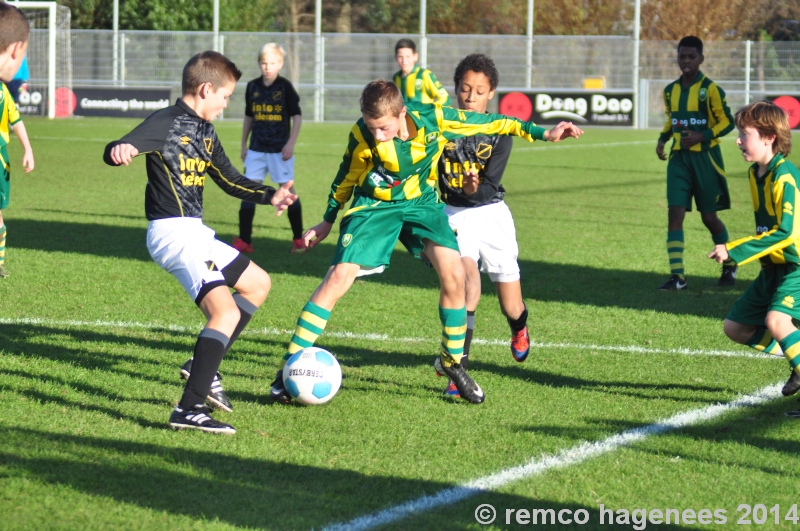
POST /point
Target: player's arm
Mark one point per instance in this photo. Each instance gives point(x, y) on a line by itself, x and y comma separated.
point(22, 134)
point(493, 172)
point(247, 126)
point(721, 112)
point(354, 164)
point(435, 90)
point(147, 137)
point(456, 123)
point(751, 248)
point(666, 131)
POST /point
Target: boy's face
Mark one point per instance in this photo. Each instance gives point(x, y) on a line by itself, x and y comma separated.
point(689, 60)
point(271, 65)
point(474, 91)
point(385, 128)
point(214, 100)
point(753, 146)
point(13, 56)
point(406, 58)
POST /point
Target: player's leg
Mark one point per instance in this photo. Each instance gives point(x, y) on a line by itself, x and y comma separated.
point(256, 165)
point(711, 195)
point(779, 321)
point(473, 296)
point(3, 270)
point(513, 307)
point(5, 189)
point(281, 172)
point(679, 199)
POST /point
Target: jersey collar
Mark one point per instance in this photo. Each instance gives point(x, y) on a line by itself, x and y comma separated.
point(185, 108)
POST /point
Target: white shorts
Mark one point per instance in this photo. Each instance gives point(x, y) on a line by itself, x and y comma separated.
point(187, 249)
point(257, 165)
point(487, 235)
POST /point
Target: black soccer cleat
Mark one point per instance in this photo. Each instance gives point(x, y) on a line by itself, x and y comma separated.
point(728, 276)
point(792, 384)
point(216, 397)
point(198, 419)
point(674, 283)
point(467, 388)
point(278, 390)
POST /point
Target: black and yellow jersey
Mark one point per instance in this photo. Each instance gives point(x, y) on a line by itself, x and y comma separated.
point(271, 108)
point(699, 107)
point(488, 155)
point(401, 170)
point(421, 86)
point(778, 229)
point(9, 115)
point(182, 149)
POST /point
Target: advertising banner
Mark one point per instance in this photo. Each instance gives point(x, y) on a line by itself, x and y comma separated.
point(120, 102)
point(790, 104)
point(583, 108)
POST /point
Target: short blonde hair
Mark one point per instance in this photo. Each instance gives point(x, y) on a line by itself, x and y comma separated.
point(769, 120)
point(271, 47)
point(381, 98)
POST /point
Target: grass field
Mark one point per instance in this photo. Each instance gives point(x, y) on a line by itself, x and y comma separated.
point(615, 406)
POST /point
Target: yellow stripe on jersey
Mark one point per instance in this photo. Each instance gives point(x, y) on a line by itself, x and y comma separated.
point(768, 200)
point(675, 104)
point(411, 187)
point(693, 101)
point(754, 191)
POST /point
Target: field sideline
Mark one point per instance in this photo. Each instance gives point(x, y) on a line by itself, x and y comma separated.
point(631, 398)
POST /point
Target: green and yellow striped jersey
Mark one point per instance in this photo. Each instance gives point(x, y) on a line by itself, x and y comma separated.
point(777, 228)
point(421, 86)
point(698, 107)
point(402, 170)
point(9, 115)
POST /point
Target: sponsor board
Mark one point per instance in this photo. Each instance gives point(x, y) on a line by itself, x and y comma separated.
point(121, 102)
point(32, 101)
point(582, 108)
point(790, 104)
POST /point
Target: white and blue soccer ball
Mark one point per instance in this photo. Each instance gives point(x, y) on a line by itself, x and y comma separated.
point(312, 376)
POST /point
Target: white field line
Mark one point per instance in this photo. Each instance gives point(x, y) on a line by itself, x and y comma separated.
point(580, 145)
point(567, 457)
point(387, 339)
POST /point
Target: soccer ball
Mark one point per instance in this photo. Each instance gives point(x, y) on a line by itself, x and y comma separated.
point(312, 376)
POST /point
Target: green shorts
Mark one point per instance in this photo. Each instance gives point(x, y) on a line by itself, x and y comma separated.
point(5, 179)
point(776, 288)
point(698, 174)
point(370, 229)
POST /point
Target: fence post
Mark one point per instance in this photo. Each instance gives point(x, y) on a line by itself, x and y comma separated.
point(637, 15)
point(643, 103)
point(122, 58)
point(529, 45)
point(423, 34)
point(318, 61)
point(747, 72)
point(115, 44)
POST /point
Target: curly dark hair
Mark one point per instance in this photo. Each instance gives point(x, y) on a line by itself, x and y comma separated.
point(690, 41)
point(477, 62)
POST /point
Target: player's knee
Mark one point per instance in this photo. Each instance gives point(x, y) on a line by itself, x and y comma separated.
point(779, 324)
point(737, 332)
point(453, 279)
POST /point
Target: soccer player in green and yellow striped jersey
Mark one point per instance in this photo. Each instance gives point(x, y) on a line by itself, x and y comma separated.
point(762, 317)
point(389, 172)
point(418, 85)
point(697, 116)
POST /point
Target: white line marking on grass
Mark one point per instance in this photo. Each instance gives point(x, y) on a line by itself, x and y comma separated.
point(72, 139)
point(567, 457)
point(387, 339)
point(577, 146)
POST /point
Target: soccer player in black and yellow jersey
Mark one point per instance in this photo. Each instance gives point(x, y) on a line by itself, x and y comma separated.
point(417, 84)
point(388, 171)
point(697, 116)
point(763, 315)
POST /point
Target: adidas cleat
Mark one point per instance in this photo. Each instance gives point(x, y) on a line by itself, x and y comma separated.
point(278, 390)
point(466, 386)
point(216, 397)
point(520, 345)
point(728, 277)
point(198, 419)
point(792, 384)
point(673, 284)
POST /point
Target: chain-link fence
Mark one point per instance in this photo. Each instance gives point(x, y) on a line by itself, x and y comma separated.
point(330, 73)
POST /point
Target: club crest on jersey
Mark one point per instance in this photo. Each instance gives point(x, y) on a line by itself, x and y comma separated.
point(703, 94)
point(346, 239)
point(418, 84)
point(255, 94)
point(484, 151)
point(185, 140)
point(276, 95)
point(207, 142)
point(431, 137)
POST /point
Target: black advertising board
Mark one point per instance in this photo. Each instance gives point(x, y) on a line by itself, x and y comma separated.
point(582, 108)
point(120, 102)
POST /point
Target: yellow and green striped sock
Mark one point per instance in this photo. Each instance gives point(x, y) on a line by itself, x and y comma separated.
point(454, 331)
point(791, 349)
point(310, 325)
point(675, 248)
point(763, 341)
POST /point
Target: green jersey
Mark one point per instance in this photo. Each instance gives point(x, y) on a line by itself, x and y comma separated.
point(778, 230)
point(699, 107)
point(9, 115)
point(421, 86)
point(400, 170)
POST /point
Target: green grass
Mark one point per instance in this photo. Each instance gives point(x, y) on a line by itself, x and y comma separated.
point(86, 393)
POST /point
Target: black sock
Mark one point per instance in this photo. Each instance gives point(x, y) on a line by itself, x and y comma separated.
point(519, 323)
point(468, 338)
point(208, 353)
point(296, 219)
point(246, 310)
point(246, 215)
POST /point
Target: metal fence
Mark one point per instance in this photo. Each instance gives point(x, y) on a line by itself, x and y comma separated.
point(330, 73)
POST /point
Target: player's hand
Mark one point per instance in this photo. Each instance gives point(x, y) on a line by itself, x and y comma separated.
point(287, 152)
point(27, 161)
point(720, 253)
point(244, 153)
point(283, 197)
point(660, 150)
point(562, 131)
point(471, 182)
point(690, 138)
point(317, 233)
point(123, 154)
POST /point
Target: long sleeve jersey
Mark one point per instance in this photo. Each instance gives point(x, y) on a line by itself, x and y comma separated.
point(699, 107)
point(9, 116)
point(421, 86)
point(486, 154)
point(777, 228)
point(182, 149)
point(400, 170)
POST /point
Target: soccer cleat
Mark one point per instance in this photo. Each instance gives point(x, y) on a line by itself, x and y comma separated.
point(278, 390)
point(673, 284)
point(198, 419)
point(298, 246)
point(452, 390)
point(728, 277)
point(795, 413)
point(466, 386)
point(216, 397)
point(242, 246)
point(520, 345)
point(792, 384)
point(3, 271)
